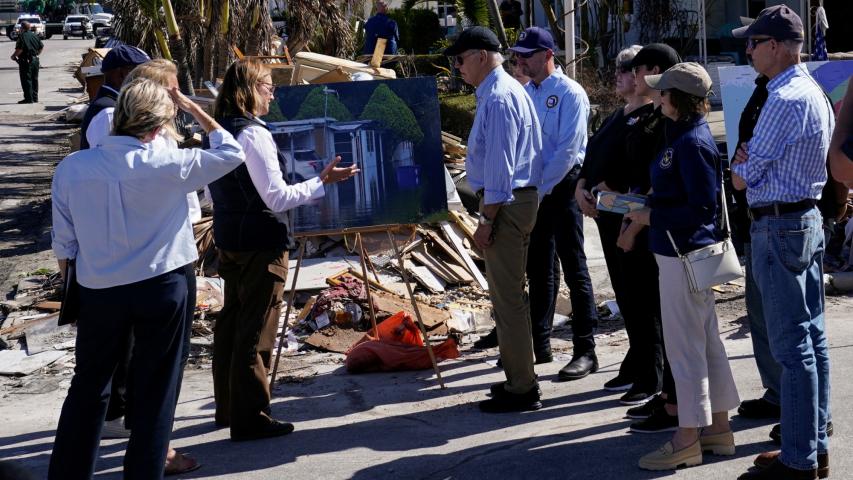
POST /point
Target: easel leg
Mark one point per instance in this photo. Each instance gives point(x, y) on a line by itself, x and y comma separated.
point(415, 307)
point(362, 254)
point(281, 337)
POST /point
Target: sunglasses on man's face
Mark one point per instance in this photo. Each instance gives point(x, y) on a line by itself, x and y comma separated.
point(460, 59)
point(754, 42)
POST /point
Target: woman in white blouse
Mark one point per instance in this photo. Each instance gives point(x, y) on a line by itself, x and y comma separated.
point(253, 254)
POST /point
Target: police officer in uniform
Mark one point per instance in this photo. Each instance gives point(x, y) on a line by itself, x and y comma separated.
point(563, 109)
point(27, 51)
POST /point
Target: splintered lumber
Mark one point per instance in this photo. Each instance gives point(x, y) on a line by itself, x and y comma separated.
point(378, 51)
point(311, 65)
point(387, 304)
point(332, 76)
point(425, 277)
point(458, 264)
point(443, 269)
point(456, 240)
point(465, 222)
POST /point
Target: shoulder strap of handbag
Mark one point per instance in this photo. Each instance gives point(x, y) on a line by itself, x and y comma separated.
point(726, 232)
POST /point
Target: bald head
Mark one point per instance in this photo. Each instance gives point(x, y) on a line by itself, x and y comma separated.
point(25, 26)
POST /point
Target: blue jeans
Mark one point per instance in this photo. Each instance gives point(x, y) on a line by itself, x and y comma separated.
point(768, 368)
point(787, 262)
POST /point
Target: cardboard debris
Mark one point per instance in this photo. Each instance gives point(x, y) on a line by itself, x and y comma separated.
point(387, 304)
point(314, 271)
point(334, 339)
point(17, 363)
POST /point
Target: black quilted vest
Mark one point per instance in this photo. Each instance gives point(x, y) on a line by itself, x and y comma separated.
point(241, 220)
point(105, 98)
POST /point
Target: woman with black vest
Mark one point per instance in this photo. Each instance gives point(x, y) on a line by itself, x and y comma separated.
point(253, 253)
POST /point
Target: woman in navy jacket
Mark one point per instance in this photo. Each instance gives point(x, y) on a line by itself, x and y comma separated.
point(686, 182)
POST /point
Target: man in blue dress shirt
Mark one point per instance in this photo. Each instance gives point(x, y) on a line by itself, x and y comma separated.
point(783, 168)
point(563, 108)
point(504, 168)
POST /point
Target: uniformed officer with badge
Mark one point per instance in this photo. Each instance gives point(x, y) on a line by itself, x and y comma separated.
point(27, 51)
point(563, 109)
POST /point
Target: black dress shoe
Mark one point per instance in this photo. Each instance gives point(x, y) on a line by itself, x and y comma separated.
point(488, 341)
point(24, 101)
point(618, 384)
point(543, 356)
point(274, 428)
point(776, 432)
point(644, 411)
point(759, 408)
point(498, 389)
point(512, 402)
point(779, 471)
point(580, 366)
point(636, 397)
point(658, 421)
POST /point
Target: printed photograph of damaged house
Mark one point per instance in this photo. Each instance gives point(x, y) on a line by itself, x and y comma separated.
point(389, 128)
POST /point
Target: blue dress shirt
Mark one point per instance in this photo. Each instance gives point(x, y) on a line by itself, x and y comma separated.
point(121, 208)
point(787, 154)
point(505, 140)
point(563, 110)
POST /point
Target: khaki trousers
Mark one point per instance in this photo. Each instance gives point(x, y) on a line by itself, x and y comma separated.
point(700, 365)
point(244, 336)
point(506, 262)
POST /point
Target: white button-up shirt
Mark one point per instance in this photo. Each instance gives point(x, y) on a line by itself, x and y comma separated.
point(120, 208)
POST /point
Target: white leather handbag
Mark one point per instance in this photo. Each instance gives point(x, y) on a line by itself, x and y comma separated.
point(713, 265)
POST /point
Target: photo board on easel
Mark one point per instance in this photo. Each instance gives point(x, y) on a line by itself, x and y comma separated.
point(391, 129)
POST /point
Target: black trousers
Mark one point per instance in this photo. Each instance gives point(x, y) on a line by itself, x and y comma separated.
point(155, 311)
point(559, 231)
point(29, 73)
point(634, 276)
point(244, 336)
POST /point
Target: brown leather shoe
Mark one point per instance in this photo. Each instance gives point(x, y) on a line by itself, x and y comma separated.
point(765, 459)
point(779, 471)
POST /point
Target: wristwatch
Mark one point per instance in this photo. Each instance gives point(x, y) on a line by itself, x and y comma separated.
point(484, 220)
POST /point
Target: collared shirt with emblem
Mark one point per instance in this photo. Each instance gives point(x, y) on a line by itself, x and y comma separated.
point(787, 154)
point(505, 140)
point(562, 107)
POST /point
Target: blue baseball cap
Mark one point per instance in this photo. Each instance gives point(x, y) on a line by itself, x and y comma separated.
point(779, 22)
point(124, 56)
point(534, 39)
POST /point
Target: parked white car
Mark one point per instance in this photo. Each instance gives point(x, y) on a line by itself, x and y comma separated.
point(34, 20)
point(77, 26)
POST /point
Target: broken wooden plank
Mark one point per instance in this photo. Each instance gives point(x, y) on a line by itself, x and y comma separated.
point(436, 266)
point(456, 241)
point(465, 222)
point(390, 304)
point(457, 264)
point(425, 277)
point(49, 305)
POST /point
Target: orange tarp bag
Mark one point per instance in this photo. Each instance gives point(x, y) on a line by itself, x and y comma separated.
point(396, 345)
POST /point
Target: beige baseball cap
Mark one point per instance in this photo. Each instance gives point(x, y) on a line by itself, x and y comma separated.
point(689, 77)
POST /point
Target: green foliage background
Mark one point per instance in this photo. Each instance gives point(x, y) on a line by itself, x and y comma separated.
point(392, 113)
point(315, 106)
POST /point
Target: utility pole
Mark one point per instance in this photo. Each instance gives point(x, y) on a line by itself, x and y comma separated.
point(569, 28)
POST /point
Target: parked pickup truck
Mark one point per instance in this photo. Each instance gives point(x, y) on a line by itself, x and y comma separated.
point(34, 20)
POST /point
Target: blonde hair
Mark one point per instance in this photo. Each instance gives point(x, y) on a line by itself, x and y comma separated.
point(238, 95)
point(142, 107)
point(160, 71)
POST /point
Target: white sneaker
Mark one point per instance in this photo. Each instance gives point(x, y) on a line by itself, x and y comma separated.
point(115, 429)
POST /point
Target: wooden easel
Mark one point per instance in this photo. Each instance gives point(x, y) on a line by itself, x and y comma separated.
point(364, 258)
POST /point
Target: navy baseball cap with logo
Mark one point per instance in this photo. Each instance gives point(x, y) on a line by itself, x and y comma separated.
point(779, 22)
point(534, 39)
point(124, 56)
point(474, 38)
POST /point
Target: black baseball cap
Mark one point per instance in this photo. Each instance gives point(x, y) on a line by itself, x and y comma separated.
point(779, 22)
point(123, 56)
point(534, 39)
point(658, 55)
point(474, 38)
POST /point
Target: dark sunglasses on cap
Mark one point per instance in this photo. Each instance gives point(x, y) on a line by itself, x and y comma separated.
point(754, 42)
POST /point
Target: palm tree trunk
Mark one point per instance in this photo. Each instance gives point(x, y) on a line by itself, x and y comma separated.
point(178, 49)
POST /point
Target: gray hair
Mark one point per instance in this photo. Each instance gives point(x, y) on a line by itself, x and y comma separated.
point(627, 54)
point(142, 107)
point(794, 47)
point(495, 57)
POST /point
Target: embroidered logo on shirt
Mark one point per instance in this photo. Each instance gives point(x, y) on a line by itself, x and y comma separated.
point(666, 159)
point(551, 101)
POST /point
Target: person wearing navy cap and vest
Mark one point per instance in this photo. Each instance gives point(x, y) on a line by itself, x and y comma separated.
point(116, 65)
point(505, 168)
point(783, 168)
point(682, 214)
point(252, 245)
point(562, 108)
